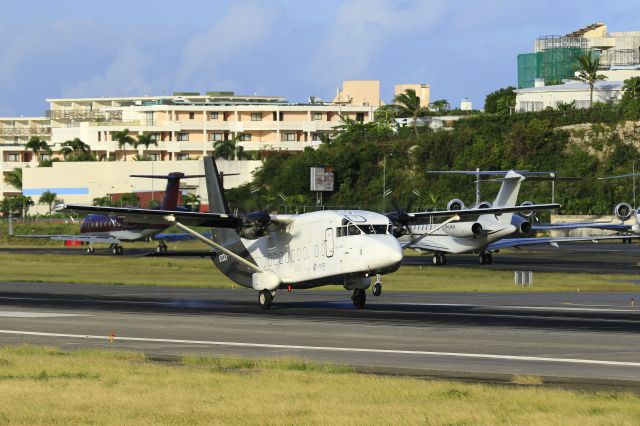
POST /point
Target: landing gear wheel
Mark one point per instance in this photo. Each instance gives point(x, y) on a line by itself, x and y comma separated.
point(359, 298)
point(489, 258)
point(162, 248)
point(117, 250)
point(443, 259)
point(90, 250)
point(482, 259)
point(436, 259)
point(377, 289)
point(265, 297)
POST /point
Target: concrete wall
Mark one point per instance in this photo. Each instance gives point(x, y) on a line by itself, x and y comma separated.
point(81, 182)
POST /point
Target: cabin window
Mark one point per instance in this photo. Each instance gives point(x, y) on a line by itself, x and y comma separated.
point(306, 253)
point(316, 251)
point(353, 230)
point(299, 254)
point(280, 258)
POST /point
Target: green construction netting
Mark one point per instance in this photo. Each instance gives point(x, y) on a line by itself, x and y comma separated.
point(553, 65)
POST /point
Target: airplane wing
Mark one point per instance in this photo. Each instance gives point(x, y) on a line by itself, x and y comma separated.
point(426, 245)
point(170, 237)
point(70, 237)
point(160, 217)
point(470, 214)
point(577, 225)
point(521, 242)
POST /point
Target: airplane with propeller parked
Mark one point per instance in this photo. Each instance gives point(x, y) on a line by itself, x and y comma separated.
point(267, 252)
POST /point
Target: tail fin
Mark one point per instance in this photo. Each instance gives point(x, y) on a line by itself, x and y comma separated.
point(508, 194)
point(217, 201)
point(170, 199)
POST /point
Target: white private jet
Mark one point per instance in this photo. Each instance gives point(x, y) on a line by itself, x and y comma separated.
point(484, 229)
point(268, 252)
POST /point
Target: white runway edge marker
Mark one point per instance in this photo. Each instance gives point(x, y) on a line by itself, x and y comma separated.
point(332, 349)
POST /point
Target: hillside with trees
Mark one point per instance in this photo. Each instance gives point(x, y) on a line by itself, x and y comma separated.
point(602, 140)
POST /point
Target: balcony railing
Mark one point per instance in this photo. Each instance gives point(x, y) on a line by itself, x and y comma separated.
point(24, 131)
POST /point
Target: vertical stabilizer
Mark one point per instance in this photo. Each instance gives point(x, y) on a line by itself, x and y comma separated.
point(508, 194)
point(170, 199)
point(217, 200)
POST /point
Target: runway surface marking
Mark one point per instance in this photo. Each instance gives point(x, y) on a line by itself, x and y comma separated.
point(22, 314)
point(333, 349)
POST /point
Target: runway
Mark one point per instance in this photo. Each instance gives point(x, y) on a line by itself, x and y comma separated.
point(582, 337)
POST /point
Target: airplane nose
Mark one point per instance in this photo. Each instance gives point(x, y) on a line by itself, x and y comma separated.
point(386, 255)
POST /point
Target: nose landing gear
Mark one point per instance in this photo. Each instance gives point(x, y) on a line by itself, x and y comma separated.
point(265, 297)
point(376, 290)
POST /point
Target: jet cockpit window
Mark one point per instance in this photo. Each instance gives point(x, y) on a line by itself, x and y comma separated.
point(353, 229)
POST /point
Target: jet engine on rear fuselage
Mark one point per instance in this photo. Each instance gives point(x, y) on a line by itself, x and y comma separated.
point(523, 226)
point(455, 204)
point(623, 211)
point(462, 229)
point(484, 205)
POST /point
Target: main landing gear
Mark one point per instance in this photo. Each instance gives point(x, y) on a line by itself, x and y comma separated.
point(162, 248)
point(376, 290)
point(116, 249)
point(359, 298)
point(91, 250)
point(485, 259)
point(265, 297)
point(439, 259)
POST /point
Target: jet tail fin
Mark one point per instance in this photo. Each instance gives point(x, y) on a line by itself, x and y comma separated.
point(170, 199)
point(508, 194)
point(217, 200)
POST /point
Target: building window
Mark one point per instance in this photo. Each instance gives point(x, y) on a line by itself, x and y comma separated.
point(192, 115)
point(154, 136)
point(213, 116)
point(183, 137)
point(245, 137)
point(531, 106)
point(181, 157)
point(13, 157)
point(360, 116)
point(315, 136)
point(317, 116)
point(214, 137)
point(45, 157)
point(290, 137)
point(256, 116)
point(582, 104)
point(154, 157)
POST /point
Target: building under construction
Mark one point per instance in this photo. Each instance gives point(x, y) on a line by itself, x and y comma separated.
point(555, 57)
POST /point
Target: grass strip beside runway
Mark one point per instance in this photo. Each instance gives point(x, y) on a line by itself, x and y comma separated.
point(47, 386)
point(201, 273)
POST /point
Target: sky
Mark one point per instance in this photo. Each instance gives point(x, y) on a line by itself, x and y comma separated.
point(289, 48)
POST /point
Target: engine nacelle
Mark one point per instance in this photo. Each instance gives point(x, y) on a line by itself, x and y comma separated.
point(484, 205)
point(254, 225)
point(455, 204)
point(523, 226)
point(462, 229)
point(527, 214)
point(623, 211)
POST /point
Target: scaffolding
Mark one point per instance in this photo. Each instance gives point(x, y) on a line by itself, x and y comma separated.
point(553, 65)
point(550, 42)
point(620, 57)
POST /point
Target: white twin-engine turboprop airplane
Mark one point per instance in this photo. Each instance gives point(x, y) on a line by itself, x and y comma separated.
point(269, 252)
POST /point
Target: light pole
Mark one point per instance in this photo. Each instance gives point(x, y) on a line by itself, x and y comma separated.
point(633, 172)
point(384, 177)
point(553, 187)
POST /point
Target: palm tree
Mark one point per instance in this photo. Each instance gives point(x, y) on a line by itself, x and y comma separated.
point(631, 88)
point(587, 72)
point(37, 145)
point(123, 139)
point(128, 199)
point(146, 140)
point(75, 150)
point(191, 200)
point(224, 149)
point(102, 201)
point(408, 104)
point(49, 198)
point(14, 178)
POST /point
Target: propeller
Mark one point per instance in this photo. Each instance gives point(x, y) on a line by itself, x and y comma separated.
point(254, 224)
point(400, 218)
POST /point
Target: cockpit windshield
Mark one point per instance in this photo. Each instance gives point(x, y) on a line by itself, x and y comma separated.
point(350, 228)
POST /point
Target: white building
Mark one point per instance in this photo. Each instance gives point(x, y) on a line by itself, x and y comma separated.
point(542, 97)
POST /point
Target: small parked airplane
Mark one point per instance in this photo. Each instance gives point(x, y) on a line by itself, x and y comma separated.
point(268, 252)
point(483, 229)
point(114, 229)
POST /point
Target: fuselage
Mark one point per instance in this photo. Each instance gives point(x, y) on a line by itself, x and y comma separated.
point(441, 240)
point(319, 248)
point(116, 227)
